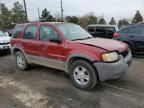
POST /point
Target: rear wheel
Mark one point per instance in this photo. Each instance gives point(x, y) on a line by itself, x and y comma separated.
point(21, 61)
point(83, 75)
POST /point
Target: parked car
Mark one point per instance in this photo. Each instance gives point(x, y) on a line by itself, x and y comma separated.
point(103, 31)
point(4, 42)
point(70, 48)
point(133, 35)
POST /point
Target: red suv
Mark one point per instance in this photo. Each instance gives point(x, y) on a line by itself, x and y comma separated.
point(70, 48)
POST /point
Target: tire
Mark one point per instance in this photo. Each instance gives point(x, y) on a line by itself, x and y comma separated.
point(83, 75)
point(21, 64)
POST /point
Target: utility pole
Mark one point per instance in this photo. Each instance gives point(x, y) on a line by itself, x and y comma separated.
point(62, 10)
point(0, 8)
point(39, 14)
point(25, 10)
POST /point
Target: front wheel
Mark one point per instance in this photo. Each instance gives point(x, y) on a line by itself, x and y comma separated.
point(83, 75)
point(21, 61)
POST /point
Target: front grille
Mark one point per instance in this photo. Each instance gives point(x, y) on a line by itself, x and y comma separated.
point(4, 43)
point(125, 53)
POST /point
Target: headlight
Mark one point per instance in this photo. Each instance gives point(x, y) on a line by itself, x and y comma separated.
point(110, 57)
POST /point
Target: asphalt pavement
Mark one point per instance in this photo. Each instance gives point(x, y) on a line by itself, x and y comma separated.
point(42, 87)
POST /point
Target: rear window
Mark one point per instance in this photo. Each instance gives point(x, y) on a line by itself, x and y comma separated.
point(139, 30)
point(17, 30)
point(105, 29)
point(123, 31)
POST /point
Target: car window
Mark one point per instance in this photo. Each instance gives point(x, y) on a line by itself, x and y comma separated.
point(133, 30)
point(137, 30)
point(73, 32)
point(46, 33)
point(100, 30)
point(124, 31)
point(17, 30)
point(30, 33)
point(91, 29)
point(110, 29)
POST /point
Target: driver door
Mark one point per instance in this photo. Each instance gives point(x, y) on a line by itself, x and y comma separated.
point(51, 52)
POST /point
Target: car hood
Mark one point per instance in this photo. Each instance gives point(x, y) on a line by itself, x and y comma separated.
point(107, 44)
point(4, 39)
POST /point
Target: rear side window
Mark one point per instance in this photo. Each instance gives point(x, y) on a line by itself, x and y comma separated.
point(110, 29)
point(100, 30)
point(105, 29)
point(30, 33)
point(91, 29)
point(17, 30)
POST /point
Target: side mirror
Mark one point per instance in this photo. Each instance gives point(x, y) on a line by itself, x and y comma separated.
point(55, 40)
point(10, 34)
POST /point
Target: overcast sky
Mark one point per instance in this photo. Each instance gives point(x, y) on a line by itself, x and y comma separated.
point(110, 8)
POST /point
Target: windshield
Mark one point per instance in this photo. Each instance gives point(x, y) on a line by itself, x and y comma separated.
point(73, 32)
point(2, 33)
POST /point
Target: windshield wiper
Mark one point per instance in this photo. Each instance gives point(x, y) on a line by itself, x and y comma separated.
point(81, 39)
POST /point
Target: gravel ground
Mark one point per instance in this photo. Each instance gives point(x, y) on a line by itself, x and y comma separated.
point(42, 87)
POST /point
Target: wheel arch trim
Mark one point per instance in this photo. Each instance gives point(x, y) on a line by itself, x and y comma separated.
point(82, 56)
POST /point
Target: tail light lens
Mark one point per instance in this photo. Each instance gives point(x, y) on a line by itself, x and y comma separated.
point(115, 35)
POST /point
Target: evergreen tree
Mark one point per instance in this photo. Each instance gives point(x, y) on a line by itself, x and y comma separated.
point(5, 18)
point(72, 19)
point(102, 21)
point(112, 22)
point(18, 13)
point(122, 23)
point(137, 18)
point(46, 16)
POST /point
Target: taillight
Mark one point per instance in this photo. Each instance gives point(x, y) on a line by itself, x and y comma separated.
point(115, 35)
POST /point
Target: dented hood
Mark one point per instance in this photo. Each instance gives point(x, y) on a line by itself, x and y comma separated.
point(107, 44)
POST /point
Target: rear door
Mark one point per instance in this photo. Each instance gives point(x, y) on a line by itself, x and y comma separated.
point(30, 41)
point(136, 35)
